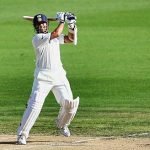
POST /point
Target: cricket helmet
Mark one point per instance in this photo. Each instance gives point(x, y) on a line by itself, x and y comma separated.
point(38, 19)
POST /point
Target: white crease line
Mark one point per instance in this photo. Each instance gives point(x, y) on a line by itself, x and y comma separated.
point(139, 134)
point(85, 141)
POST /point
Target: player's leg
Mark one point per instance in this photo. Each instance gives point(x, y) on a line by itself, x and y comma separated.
point(39, 92)
point(68, 106)
point(62, 92)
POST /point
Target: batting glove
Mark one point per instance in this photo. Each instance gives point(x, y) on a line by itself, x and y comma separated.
point(70, 20)
point(61, 17)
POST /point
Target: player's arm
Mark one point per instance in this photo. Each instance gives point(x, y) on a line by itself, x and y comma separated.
point(57, 32)
point(72, 29)
point(69, 38)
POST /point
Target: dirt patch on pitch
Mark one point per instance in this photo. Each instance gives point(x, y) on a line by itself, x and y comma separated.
point(8, 142)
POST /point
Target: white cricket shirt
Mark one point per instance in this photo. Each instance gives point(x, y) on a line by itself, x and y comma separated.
point(48, 62)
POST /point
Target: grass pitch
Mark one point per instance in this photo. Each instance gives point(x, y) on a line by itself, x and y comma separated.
point(108, 69)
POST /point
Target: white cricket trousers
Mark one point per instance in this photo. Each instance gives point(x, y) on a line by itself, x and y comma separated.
point(39, 92)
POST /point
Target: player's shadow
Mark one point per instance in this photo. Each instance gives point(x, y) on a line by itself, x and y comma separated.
point(8, 142)
point(15, 143)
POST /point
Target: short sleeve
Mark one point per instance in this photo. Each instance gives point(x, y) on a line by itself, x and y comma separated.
point(61, 39)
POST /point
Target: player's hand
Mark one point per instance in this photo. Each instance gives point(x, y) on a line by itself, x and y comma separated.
point(61, 17)
point(70, 17)
point(71, 26)
point(70, 20)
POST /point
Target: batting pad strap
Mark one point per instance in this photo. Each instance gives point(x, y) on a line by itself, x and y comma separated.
point(67, 112)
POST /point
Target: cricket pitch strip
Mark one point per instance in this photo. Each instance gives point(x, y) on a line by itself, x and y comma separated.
point(36, 142)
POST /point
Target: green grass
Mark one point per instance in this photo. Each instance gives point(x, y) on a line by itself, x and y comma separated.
point(109, 68)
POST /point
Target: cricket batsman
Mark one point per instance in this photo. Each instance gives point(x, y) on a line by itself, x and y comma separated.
point(50, 75)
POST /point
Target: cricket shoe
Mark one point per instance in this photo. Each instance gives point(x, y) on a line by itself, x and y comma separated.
point(65, 131)
point(21, 140)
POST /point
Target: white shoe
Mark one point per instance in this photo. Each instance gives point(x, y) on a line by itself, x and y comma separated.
point(21, 140)
point(65, 131)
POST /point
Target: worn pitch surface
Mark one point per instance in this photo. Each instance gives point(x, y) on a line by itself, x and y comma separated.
point(8, 142)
